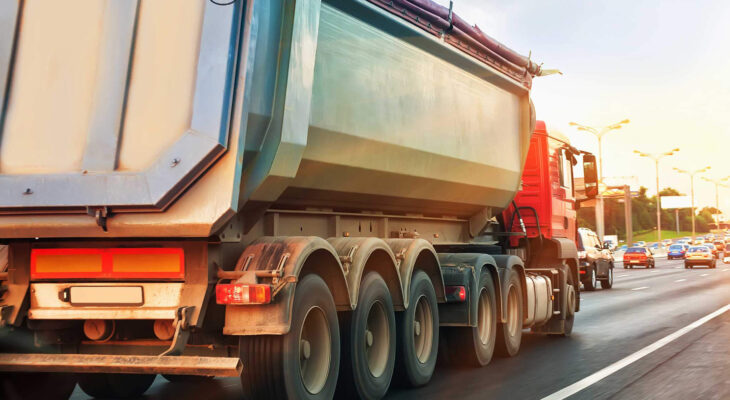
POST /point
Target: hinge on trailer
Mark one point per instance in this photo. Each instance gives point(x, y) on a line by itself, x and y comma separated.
point(100, 214)
point(182, 331)
point(347, 260)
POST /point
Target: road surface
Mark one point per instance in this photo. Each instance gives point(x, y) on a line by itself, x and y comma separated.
point(643, 307)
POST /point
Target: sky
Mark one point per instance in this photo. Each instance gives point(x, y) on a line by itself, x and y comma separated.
point(662, 64)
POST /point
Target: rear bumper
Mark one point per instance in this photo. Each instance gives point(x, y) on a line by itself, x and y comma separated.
point(699, 262)
point(121, 364)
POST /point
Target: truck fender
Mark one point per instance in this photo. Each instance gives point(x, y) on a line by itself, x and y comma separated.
point(417, 253)
point(368, 253)
point(479, 264)
point(294, 256)
point(506, 263)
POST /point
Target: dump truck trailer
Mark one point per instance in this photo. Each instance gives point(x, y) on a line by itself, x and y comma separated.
point(306, 194)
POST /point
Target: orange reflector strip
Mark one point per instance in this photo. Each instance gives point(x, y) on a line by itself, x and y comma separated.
point(114, 263)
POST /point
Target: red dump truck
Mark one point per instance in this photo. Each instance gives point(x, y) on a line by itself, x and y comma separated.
point(308, 195)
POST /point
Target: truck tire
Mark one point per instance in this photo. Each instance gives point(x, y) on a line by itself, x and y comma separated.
point(572, 302)
point(368, 342)
point(608, 282)
point(36, 385)
point(509, 334)
point(418, 333)
point(474, 346)
point(118, 386)
point(304, 363)
point(592, 282)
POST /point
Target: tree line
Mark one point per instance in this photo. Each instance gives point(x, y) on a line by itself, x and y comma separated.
point(644, 215)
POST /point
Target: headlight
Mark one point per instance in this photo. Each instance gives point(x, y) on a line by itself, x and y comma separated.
point(581, 254)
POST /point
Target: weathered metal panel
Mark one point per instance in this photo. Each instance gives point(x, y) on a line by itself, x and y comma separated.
point(133, 104)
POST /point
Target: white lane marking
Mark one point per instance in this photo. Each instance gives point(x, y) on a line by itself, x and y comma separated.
point(726, 269)
point(624, 362)
point(680, 280)
point(677, 267)
point(704, 274)
point(620, 276)
point(641, 288)
point(653, 271)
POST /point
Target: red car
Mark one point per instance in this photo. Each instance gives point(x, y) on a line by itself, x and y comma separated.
point(638, 256)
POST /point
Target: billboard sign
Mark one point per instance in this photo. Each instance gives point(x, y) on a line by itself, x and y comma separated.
point(672, 202)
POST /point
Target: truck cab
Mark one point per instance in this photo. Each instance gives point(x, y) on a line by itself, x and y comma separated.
point(548, 200)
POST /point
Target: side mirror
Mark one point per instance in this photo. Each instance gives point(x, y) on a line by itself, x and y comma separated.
point(590, 175)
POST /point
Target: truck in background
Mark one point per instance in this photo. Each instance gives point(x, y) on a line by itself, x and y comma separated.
point(296, 193)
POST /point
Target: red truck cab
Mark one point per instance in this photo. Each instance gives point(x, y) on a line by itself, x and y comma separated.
point(548, 200)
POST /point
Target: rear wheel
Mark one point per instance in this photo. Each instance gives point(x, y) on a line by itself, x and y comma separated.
point(475, 345)
point(120, 386)
point(368, 342)
point(608, 283)
point(418, 333)
point(509, 333)
point(304, 363)
point(36, 385)
point(591, 283)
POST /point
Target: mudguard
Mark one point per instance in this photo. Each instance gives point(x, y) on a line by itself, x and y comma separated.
point(476, 264)
point(357, 254)
point(293, 256)
point(412, 253)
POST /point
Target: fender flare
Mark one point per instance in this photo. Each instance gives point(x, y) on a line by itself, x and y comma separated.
point(295, 256)
point(417, 253)
point(505, 265)
point(479, 263)
point(360, 253)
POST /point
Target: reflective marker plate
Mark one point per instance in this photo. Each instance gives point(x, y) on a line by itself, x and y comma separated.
point(105, 295)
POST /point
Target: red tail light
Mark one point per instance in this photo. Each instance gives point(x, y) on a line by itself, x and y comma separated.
point(455, 293)
point(239, 293)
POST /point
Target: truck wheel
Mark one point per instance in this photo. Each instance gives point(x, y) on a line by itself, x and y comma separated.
point(187, 378)
point(36, 385)
point(304, 363)
point(591, 284)
point(509, 334)
point(608, 283)
point(368, 342)
point(120, 386)
point(474, 346)
point(418, 333)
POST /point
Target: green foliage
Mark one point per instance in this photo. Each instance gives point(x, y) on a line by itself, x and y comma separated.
point(644, 216)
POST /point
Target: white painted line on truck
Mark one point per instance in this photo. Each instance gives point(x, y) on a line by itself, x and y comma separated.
point(641, 288)
point(626, 361)
point(680, 280)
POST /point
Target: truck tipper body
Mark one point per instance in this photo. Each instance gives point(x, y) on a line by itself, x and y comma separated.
point(299, 193)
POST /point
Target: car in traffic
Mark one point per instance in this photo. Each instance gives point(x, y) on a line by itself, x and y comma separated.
point(640, 243)
point(713, 249)
point(720, 244)
point(677, 251)
point(623, 248)
point(699, 255)
point(667, 242)
point(699, 242)
point(594, 260)
point(638, 257)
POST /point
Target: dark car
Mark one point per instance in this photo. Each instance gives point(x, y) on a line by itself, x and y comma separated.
point(713, 249)
point(638, 256)
point(595, 261)
point(677, 251)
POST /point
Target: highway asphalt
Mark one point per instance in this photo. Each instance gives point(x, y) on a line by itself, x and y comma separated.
point(643, 307)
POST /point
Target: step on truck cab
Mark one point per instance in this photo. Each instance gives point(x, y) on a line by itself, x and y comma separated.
point(296, 193)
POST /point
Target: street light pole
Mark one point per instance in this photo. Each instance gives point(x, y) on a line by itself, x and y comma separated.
point(692, 191)
point(656, 158)
point(599, 135)
point(717, 183)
